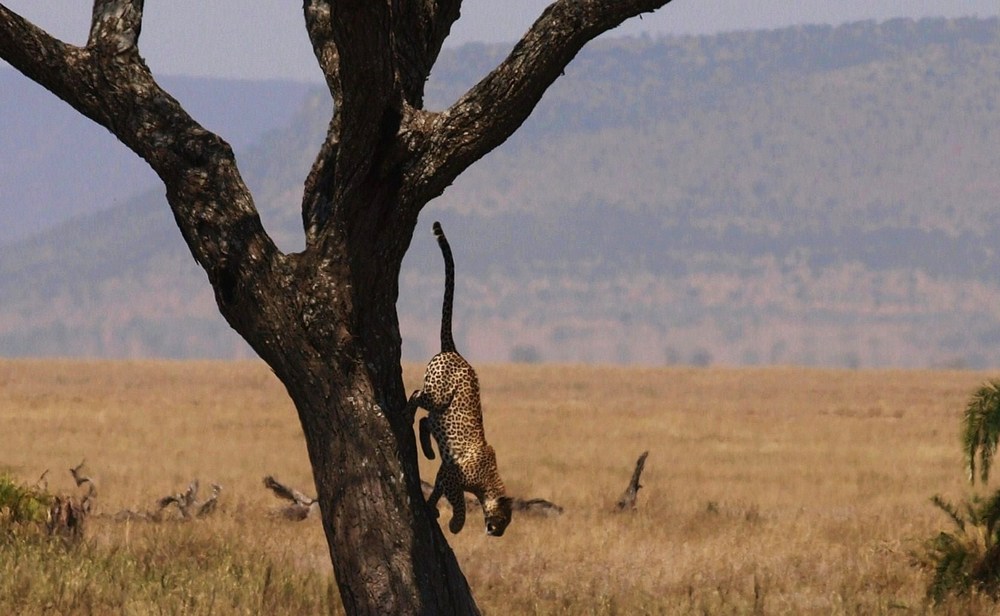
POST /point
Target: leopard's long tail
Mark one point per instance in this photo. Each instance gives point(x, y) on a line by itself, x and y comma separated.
point(447, 341)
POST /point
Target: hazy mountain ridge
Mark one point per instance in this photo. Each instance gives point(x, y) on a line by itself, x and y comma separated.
point(808, 195)
point(57, 164)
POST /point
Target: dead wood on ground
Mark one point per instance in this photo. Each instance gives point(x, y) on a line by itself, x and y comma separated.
point(68, 515)
point(186, 503)
point(301, 505)
point(530, 506)
point(627, 500)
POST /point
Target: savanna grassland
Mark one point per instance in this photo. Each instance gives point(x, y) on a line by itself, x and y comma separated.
point(767, 491)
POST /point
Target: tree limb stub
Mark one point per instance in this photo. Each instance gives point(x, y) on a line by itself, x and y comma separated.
point(115, 25)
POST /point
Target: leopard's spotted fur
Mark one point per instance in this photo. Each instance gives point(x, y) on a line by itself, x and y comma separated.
point(455, 417)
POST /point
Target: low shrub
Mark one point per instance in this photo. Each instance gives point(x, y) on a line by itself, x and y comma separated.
point(22, 505)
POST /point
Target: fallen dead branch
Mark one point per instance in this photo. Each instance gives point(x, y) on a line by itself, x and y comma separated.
point(301, 505)
point(68, 515)
point(43, 483)
point(187, 501)
point(78, 476)
point(532, 506)
point(537, 507)
point(627, 500)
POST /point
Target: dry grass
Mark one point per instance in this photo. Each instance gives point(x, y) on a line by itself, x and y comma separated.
point(768, 491)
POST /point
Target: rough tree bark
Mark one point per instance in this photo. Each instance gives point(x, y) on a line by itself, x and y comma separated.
point(325, 319)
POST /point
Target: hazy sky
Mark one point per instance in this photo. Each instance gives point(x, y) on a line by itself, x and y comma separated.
point(266, 38)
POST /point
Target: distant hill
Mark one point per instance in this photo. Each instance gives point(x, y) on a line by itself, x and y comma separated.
point(813, 195)
point(56, 164)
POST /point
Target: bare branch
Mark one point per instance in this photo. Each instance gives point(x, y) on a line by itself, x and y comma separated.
point(495, 107)
point(116, 25)
point(317, 206)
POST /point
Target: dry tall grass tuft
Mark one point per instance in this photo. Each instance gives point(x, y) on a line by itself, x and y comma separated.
point(774, 491)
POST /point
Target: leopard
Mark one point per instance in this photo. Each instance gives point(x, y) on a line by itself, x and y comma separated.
point(450, 394)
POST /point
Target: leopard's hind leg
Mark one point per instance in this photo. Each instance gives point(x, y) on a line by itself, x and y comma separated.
point(453, 492)
point(448, 483)
point(432, 500)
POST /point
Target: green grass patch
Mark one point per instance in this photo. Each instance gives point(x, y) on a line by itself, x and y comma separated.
point(21, 505)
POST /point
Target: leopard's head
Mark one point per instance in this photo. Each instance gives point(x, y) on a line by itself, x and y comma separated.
point(497, 512)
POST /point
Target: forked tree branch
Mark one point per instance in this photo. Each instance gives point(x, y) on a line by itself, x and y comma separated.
point(495, 107)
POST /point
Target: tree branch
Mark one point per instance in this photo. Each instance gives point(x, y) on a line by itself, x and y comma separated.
point(317, 206)
point(34, 52)
point(495, 107)
point(352, 43)
point(420, 29)
point(318, 25)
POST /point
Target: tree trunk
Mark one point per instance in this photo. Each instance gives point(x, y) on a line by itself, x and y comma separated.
point(325, 319)
point(335, 345)
point(389, 556)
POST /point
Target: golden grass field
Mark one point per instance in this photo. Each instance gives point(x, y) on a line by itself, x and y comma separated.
point(766, 491)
